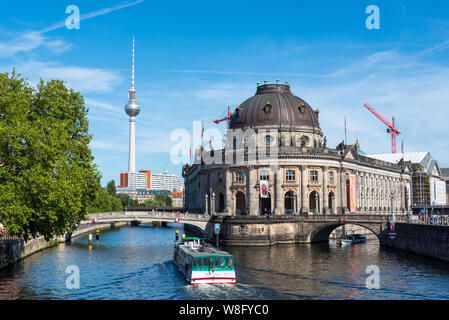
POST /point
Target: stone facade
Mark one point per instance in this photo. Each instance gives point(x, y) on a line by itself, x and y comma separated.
point(427, 240)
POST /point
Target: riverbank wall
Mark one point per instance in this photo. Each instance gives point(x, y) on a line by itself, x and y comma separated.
point(14, 249)
point(431, 241)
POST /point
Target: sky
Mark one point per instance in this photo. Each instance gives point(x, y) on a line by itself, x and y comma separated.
point(195, 58)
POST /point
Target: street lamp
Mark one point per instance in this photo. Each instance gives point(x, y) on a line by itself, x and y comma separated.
point(294, 204)
point(392, 210)
point(316, 204)
point(212, 208)
point(207, 196)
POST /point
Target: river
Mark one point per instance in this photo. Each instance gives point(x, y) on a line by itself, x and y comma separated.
point(135, 263)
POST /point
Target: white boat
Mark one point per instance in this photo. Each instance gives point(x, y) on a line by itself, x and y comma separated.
point(203, 264)
point(352, 238)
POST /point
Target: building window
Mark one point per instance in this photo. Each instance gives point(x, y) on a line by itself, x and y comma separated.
point(267, 107)
point(268, 139)
point(239, 176)
point(331, 177)
point(314, 176)
point(220, 176)
point(264, 175)
point(290, 175)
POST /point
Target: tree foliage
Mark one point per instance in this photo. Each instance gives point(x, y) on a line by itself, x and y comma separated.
point(110, 187)
point(105, 202)
point(47, 175)
point(159, 200)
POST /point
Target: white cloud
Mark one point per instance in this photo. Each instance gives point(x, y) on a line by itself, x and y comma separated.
point(29, 41)
point(103, 105)
point(79, 78)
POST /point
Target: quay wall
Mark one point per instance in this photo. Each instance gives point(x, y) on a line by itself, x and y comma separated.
point(431, 241)
point(12, 250)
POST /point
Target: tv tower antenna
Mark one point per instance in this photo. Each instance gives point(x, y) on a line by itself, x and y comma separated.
point(132, 109)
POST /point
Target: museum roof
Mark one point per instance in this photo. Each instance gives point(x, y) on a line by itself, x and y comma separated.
point(274, 105)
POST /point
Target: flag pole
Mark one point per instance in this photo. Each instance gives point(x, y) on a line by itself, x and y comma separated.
point(345, 131)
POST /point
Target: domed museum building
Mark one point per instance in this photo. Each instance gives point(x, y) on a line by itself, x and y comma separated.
point(276, 160)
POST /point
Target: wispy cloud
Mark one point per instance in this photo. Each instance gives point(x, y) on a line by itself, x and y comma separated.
point(29, 41)
point(93, 14)
point(103, 105)
point(79, 78)
point(245, 73)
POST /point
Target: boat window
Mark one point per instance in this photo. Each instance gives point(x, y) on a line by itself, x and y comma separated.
point(206, 261)
point(228, 261)
point(218, 261)
point(198, 262)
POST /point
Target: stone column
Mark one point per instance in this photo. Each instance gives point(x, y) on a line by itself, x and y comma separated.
point(251, 192)
point(325, 191)
point(343, 191)
point(228, 184)
point(304, 191)
point(278, 192)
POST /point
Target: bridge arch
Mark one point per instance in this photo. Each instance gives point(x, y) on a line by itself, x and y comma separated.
point(322, 231)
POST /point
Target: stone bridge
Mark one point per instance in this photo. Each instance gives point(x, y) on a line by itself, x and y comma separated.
point(268, 230)
point(256, 230)
point(196, 223)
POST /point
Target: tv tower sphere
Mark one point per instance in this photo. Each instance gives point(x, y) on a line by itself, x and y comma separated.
point(132, 108)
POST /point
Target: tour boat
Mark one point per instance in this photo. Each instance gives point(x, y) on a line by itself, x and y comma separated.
point(203, 264)
point(352, 238)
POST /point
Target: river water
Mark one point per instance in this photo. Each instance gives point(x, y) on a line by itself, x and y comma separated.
point(135, 263)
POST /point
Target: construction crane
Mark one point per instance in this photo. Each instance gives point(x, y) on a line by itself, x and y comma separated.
point(227, 118)
point(391, 129)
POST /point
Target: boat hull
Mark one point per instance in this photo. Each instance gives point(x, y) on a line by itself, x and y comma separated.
point(204, 277)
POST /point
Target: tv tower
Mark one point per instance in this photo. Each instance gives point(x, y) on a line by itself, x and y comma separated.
point(132, 109)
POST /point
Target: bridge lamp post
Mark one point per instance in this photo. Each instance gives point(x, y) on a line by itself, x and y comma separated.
point(206, 197)
point(316, 204)
point(392, 210)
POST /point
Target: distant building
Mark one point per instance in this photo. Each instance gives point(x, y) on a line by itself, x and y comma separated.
point(428, 182)
point(139, 180)
point(445, 172)
point(178, 199)
point(131, 192)
point(165, 181)
point(145, 194)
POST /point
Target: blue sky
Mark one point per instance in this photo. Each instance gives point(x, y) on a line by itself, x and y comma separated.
point(194, 58)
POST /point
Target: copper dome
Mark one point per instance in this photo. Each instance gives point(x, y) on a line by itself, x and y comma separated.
point(274, 105)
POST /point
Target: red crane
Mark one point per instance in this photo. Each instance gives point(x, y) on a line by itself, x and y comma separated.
point(391, 129)
point(228, 117)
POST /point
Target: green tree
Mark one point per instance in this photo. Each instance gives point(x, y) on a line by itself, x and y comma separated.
point(110, 187)
point(47, 175)
point(104, 202)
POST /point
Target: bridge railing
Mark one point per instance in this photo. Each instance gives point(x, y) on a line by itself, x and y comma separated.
point(149, 214)
point(318, 217)
point(439, 220)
